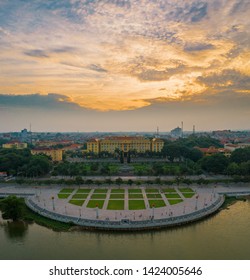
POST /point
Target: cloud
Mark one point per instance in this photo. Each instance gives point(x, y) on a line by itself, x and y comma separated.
point(49, 101)
point(96, 68)
point(37, 53)
point(229, 79)
point(196, 47)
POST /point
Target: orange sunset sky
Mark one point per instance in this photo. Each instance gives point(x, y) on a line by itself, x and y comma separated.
point(110, 65)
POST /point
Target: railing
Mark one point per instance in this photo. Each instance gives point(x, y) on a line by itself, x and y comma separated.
point(130, 224)
point(3, 195)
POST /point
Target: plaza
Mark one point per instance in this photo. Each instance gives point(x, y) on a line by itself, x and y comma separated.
point(125, 207)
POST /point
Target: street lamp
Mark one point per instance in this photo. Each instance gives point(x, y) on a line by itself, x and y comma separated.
point(53, 202)
point(153, 211)
point(97, 211)
point(196, 203)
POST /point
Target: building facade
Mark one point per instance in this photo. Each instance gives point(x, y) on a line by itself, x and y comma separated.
point(125, 144)
point(55, 154)
point(15, 145)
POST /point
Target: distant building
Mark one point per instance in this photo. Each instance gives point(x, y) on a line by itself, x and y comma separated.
point(176, 132)
point(125, 144)
point(55, 154)
point(212, 150)
point(15, 145)
point(233, 147)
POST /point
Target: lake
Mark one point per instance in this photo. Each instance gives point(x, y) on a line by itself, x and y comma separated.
point(224, 235)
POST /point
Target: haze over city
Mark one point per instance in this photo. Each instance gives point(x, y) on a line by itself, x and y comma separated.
point(128, 65)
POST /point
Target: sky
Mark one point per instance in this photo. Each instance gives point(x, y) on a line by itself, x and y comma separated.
point(124, 65)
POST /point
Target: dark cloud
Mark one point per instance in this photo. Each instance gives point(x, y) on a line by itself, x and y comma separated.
point(158, 75)
point(191, 12)
point(228, 79)
point(196, 47)
point(64, 49)
point(37, 53)
point(240, 6)
point(49, 101)
point(97, 68)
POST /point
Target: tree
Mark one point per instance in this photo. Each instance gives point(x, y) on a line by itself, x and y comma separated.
point(215, 163)
point(11, 208)
point(240, 155)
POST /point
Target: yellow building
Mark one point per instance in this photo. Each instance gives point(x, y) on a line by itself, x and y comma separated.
point(157, 145)
point(15, 145)
point(55, 154)
point(125, 144)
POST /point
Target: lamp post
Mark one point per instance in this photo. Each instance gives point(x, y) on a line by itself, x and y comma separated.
point(97, 211)
point(196, 203)
point(153, 211)
point(53, 202)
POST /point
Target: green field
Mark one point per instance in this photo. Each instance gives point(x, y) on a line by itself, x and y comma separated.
point(188, 195)
point(117, 191)
point(157, 203)
point(186, 190)
point(152, 191)
point(169, 190)
point(79, 195)
point(117, 196)
point(172, 195)
point(135, 195)
point(93, 203)
point(174, 201)
point(134, 191)
point(116, 205)
point(67, 190)
point(153, 195)
point(83, 190)
point(98, 196)
point(63, 195)
point(136, 204)
point(77, 202)
point(100, 191)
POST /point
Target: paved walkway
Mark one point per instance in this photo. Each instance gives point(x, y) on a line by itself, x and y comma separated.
point(45, 199)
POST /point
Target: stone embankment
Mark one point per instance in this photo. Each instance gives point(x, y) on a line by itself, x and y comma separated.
point(127, 224)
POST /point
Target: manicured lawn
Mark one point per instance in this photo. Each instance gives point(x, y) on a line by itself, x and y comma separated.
point(188, 195)
point(152, 191)
point(83, 190)
point(157, 203)
point(117, 191)
point(174, 201)
point(77, 202)
point(67, 190)
point(186, 190)
point(117, 195)
point(134, 191)
point(136, 204)
point(116, 205)
point(98, 196)
point(153, 195)
point(172, 195)
point(93, 203)
point(63, 195)
point(100, 191)
point(78, 195)
point(170, 190)
point(135, 195)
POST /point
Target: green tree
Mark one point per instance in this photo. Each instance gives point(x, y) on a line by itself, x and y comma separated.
point(217, 163)
point(11, 208)
point(240, 155)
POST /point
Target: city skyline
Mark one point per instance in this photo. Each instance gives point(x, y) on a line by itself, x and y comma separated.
point(129, 65)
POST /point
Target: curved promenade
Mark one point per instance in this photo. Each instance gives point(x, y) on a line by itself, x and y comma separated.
point(128, 224)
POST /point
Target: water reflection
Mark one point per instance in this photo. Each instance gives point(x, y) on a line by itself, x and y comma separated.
point(16, 230)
